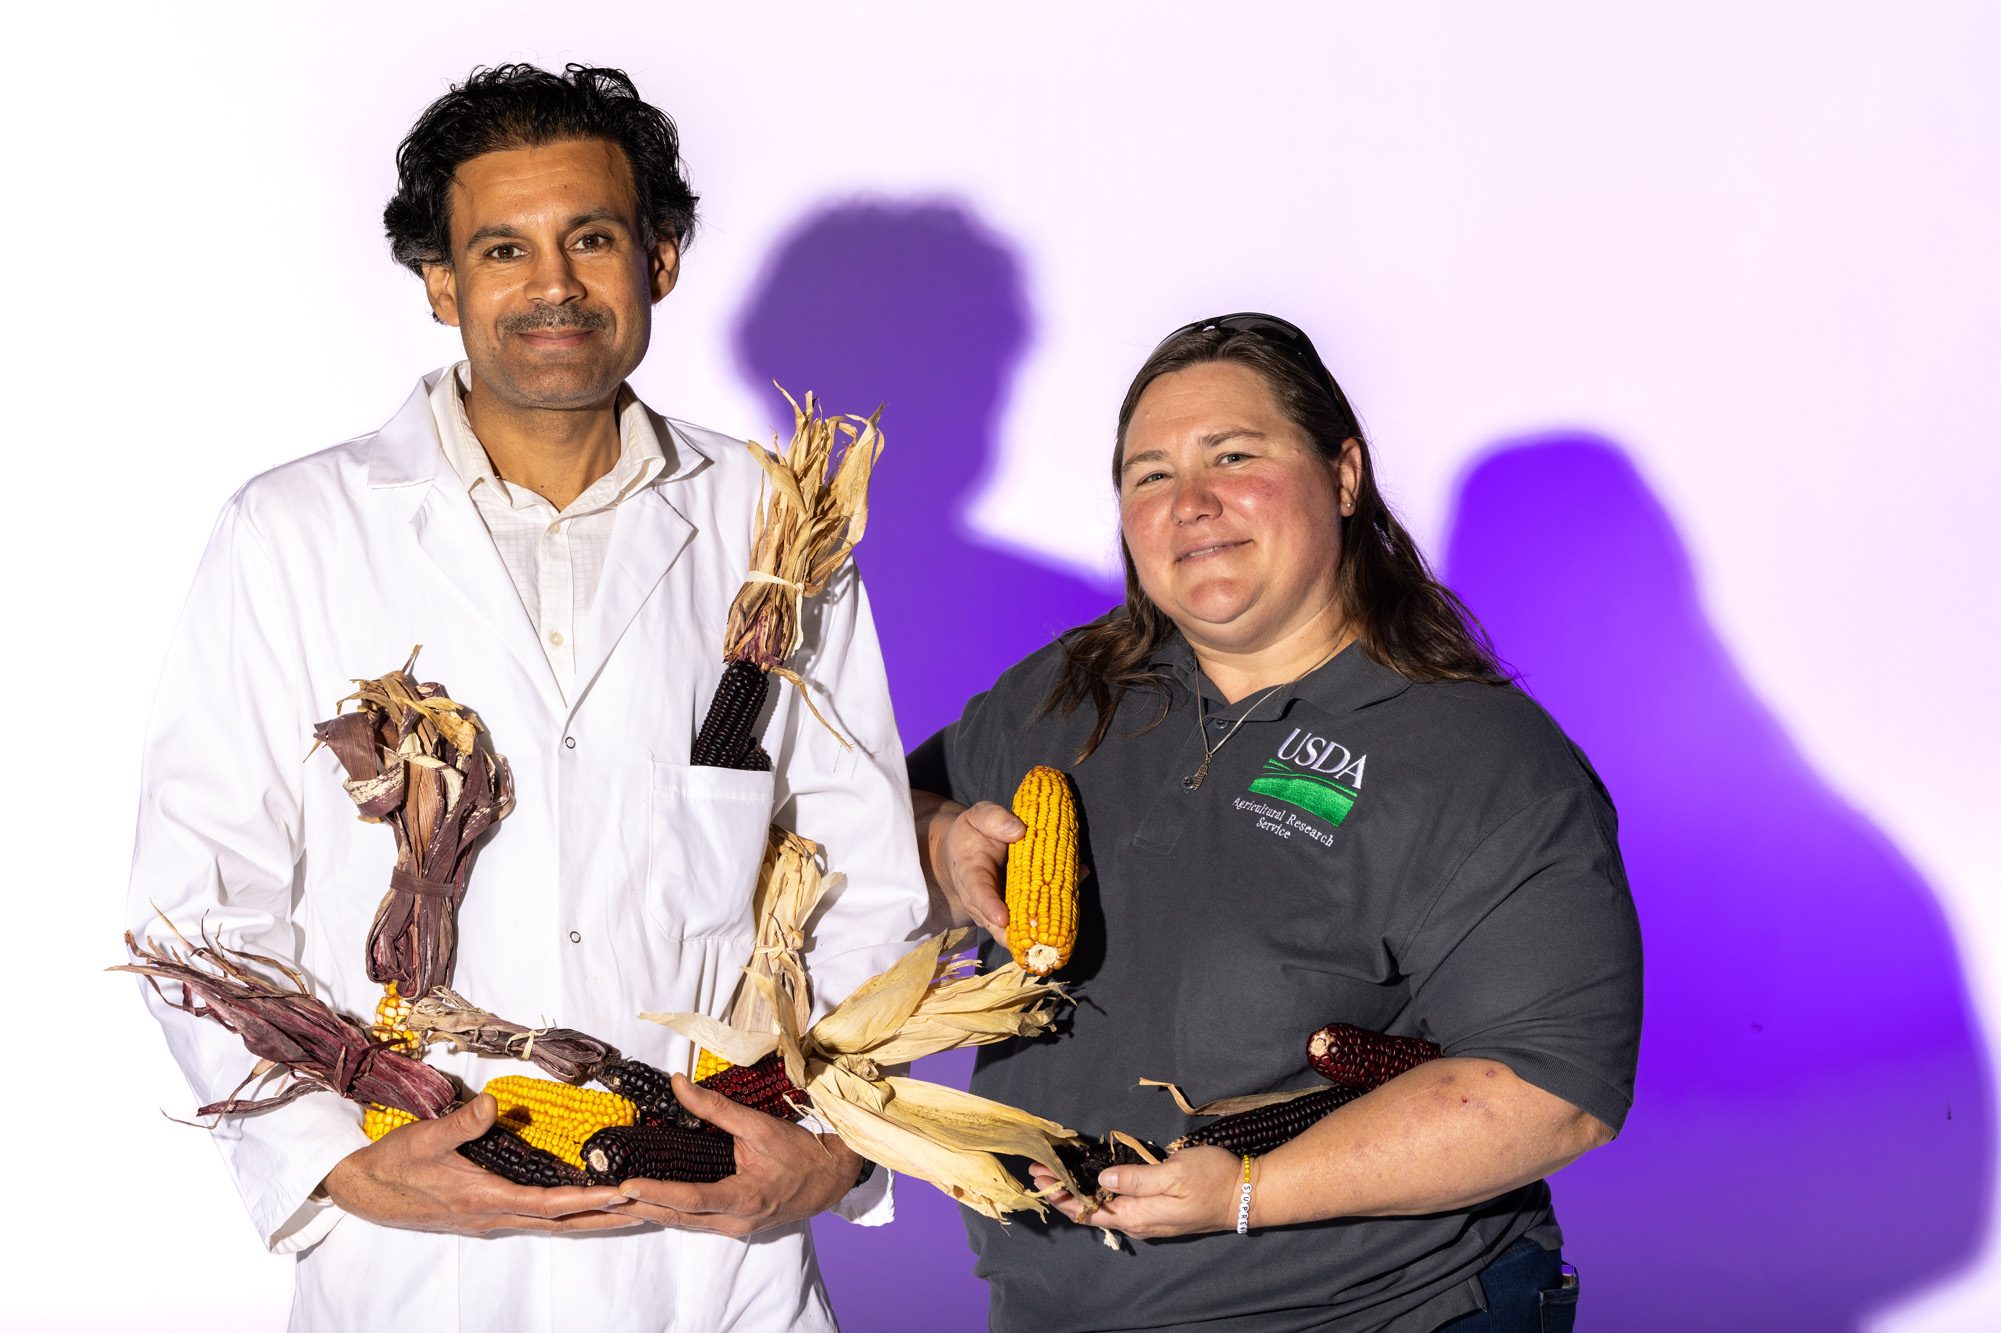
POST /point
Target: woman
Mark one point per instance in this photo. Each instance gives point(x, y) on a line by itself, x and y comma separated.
point(1309, 795)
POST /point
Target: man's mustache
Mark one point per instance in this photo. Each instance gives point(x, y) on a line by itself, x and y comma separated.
point(556, 317)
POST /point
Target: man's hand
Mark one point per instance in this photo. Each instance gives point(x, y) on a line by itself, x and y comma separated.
point(783, 1174)
point(413, 1178)
point(1193, 1191)
point(964, 849)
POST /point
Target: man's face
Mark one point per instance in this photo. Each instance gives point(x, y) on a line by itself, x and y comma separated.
point(551, 283)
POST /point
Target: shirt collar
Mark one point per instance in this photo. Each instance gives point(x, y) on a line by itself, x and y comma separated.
point(1350, 680)
point(640, 457)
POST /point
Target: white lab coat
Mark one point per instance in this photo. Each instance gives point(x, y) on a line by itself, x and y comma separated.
point(621, 882)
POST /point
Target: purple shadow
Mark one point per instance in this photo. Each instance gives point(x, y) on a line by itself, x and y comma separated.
point(1812, 1138)
point(918, 307)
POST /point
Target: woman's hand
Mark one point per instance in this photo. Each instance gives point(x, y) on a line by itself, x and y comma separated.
point(964, 850)
point(1193, 1191)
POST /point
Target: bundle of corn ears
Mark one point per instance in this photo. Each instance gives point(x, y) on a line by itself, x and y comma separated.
point(930, 1001)
point(425, 766)
point(811, 515)
point(287, 1028)
point(563, 1053)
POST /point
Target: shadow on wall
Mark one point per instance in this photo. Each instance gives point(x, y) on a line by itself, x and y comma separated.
point(918, 307)
point(1811, 1138)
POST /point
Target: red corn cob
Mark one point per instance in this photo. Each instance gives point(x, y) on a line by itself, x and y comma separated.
point(659, 1152)
point(1359, 1058)
point(1258, 1132)
point(763, 1086)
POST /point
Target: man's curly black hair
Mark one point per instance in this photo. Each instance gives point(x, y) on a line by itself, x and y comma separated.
point(520, 106)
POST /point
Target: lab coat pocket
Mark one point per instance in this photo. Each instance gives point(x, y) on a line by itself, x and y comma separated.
point(705, 841)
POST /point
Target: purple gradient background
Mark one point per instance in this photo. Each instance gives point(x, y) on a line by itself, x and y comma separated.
point(1812, 1135)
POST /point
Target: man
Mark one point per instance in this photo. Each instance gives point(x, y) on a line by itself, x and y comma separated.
point(567, 559)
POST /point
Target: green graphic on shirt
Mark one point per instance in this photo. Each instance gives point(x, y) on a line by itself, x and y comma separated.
point(1309, 791)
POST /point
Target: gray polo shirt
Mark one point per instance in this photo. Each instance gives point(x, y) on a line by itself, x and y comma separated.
point(1434, 860)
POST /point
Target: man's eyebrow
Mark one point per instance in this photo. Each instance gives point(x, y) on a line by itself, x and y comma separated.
point(1148, 456)
point(500, 231)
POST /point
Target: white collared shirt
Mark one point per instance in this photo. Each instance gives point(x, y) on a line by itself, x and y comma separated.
point(555, 557)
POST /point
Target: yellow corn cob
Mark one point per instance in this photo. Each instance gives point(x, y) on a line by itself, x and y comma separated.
point(556, 1117)
point(392, 1021)
point(378, 1120)
point(708, 1064)
point(1042, 873)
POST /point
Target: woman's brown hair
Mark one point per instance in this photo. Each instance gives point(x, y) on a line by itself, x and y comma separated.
point(1402, 616)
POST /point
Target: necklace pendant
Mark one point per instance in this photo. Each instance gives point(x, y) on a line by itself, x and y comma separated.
point(1194, 780)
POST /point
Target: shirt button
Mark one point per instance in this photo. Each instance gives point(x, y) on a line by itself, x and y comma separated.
point(569, 742)
point(555, 638)
point(576, 938)
point(1219, 723)
point(555, 527)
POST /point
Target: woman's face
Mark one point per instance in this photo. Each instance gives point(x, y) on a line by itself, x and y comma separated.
point(1232, 516)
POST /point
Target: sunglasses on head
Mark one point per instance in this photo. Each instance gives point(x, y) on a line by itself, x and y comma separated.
point(1285, 336)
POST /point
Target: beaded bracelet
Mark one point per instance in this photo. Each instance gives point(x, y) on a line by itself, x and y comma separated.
point(1244, 1201)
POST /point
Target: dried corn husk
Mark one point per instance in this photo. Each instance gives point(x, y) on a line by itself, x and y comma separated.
point(929, 1001)
point(1232, 1105)
point(563, 1053)
point(789, 886)
point(809, 518)
point(425, 766)
point(287, 1028)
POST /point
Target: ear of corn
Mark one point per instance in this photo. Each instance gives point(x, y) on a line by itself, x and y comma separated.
point(763, 1086)
point(506, 1155)
point(728, 738)
point(556, 1117)
point(1087, 1159)
point(708, 1064)
point(377, 1120)
point(1359, 1058)
point(392, 1021)
point(659, 1152)
point(1258, 1132)
point(647, 1088)
point(1042, 873)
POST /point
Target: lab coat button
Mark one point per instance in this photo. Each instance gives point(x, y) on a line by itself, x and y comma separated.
point(569, 742)
point(575, 938)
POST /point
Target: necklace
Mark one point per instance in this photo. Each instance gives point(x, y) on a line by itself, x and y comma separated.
point(1194, 780)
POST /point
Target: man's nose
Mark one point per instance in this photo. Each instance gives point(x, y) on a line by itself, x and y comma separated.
point(554, 281)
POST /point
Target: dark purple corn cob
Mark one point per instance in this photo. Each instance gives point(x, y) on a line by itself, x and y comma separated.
point(763, 1086)
point(728, 738)
point(1359, 1058)
point(1087, 1159)
point(1258, 1132)
point(523, 1163)
point(659, 1152)
point(645, 1087)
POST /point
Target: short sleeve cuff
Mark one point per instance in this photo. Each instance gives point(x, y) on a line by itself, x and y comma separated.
point(1581, 1087)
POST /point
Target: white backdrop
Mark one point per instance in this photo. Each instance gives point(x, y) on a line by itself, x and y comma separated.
point(1753, 244)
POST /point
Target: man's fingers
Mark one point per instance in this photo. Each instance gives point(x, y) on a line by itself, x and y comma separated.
point(677, 1196)
point(575, 1222)
point(730, 1117)
point(996, 822)
point(562, 1201)
point(468, 1122)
